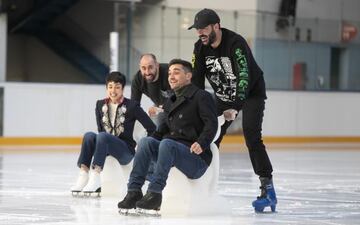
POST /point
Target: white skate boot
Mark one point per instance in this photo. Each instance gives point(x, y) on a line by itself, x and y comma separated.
point(81, 182)
point(93, 185)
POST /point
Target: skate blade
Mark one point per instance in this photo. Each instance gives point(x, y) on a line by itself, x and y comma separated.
point(76, 193)
point(88, 194)
point(148, 212)
point(261, 210)
point(128, 212)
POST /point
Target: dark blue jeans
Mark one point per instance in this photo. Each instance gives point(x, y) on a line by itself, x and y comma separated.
point(166, 153)
point(103, 144)
point(157, 120)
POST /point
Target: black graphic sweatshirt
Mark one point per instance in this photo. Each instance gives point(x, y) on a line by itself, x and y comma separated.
point(230, 69)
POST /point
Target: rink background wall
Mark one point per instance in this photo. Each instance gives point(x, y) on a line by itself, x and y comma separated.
point(3, 46)
point(63, 110)
point(163, 32)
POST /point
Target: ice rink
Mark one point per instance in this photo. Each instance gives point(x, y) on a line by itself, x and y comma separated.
point(315, 184)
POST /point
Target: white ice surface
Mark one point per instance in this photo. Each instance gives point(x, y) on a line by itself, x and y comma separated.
point(313, 187)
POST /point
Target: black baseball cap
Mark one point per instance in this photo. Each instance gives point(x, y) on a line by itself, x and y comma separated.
point(205, 17)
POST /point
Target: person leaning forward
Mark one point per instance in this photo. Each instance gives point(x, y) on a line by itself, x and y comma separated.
point(225, 59)
point(151, 80)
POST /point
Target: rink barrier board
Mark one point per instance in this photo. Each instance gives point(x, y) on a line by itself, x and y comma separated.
point(228, 139)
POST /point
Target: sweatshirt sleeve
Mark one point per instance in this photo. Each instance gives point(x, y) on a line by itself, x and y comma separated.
point(240, 54)
point(136, 92)
point(144, 119)
point(162, 128)
point(198, 64)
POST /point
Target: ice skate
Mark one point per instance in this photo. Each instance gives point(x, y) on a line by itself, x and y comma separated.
point(128, 204)
point(267, 197)
point(150, 204)
point(81, 182)
point(93, 186)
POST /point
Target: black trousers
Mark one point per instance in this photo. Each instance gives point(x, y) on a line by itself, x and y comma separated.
point(252, 118)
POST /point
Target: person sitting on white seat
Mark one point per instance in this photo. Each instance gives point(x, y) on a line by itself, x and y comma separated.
point(182, 140)
point(115, 117)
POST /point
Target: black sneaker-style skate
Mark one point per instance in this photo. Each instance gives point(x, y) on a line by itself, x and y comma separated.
point(150, 204)
point(267, 197)
point(127, 206)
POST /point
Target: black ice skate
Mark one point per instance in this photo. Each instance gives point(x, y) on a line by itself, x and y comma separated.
point(127, 206)
point(150, 204)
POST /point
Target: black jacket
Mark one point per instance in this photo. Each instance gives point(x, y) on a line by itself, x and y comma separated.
point(230, 69)
point(190, 118)
point(157, 91)
point(131, 111)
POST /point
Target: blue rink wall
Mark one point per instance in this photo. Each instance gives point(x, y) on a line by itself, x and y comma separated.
point(277, 57)
point(63, 110)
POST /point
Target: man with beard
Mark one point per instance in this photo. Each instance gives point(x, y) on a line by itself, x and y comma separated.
point(225, 59)
point(151, 80)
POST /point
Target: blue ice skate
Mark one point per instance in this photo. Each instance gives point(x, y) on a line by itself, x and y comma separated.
point(267, 197)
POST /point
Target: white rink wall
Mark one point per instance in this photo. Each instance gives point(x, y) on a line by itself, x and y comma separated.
point(64, 110)
point(295, 113)
point(51, 110)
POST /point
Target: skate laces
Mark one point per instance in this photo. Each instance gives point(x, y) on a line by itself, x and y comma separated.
point(133, 194)
point(149, 196)
point(266, 184)
point(83, 173)
point(263, 192)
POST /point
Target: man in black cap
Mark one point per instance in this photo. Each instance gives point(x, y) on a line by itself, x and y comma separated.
point(225, 59)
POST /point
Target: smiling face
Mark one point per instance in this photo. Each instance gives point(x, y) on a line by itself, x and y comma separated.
point(149, 68)
point(178, 76)
point(207, 35)
point(114, 91)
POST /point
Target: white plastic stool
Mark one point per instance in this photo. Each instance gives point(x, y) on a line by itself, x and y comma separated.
point(114, 178)
point(185, 196)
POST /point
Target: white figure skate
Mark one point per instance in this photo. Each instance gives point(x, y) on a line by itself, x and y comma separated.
point(81, 182)
point(94, 185)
